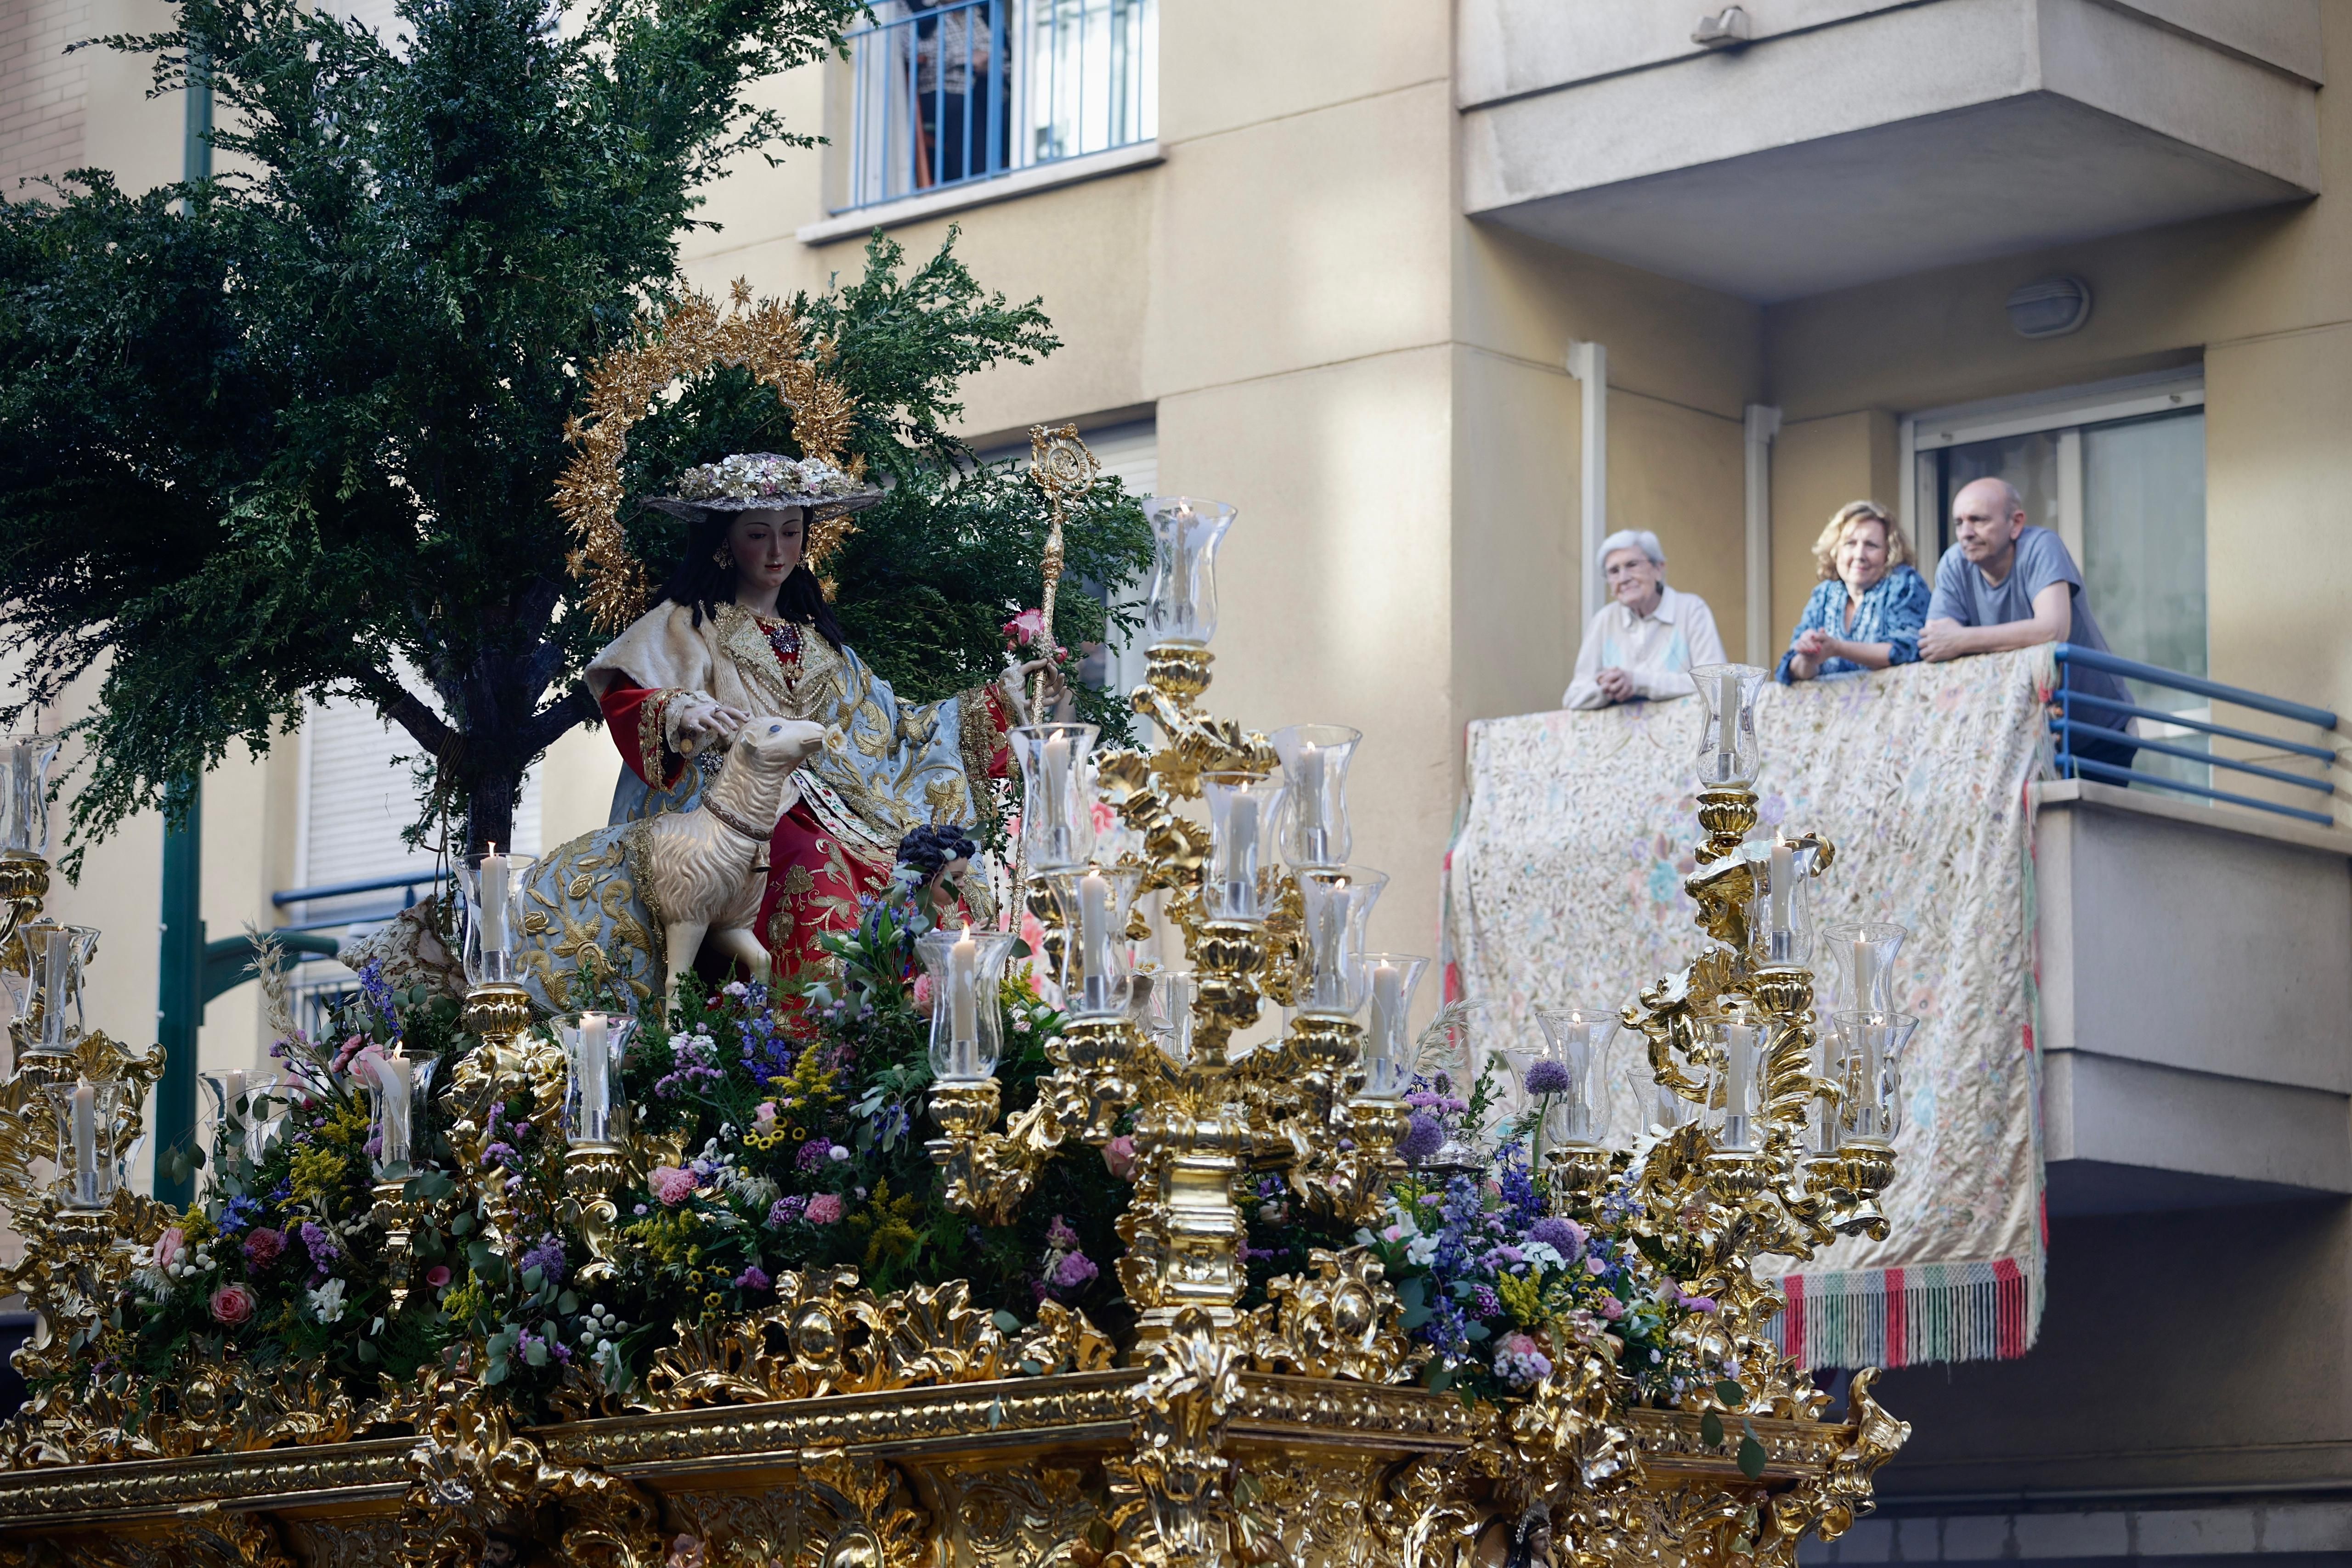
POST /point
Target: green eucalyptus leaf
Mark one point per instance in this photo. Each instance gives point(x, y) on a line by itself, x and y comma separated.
point(1710, 1429)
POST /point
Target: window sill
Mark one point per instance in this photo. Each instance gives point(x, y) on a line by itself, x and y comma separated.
point(862, 220)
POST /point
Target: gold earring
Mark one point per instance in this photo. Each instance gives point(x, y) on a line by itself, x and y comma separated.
point(722, 555)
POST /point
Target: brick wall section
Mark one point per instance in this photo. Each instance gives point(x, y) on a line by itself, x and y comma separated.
point(42, 90)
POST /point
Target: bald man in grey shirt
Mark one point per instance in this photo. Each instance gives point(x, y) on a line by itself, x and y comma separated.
point(2005, 585)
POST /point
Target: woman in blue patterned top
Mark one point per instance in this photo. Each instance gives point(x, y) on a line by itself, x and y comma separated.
point(1867, 613)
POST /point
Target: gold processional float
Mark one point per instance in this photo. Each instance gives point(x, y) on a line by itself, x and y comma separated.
point(838, 1428)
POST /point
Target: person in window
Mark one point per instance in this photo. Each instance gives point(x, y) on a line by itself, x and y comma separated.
point(955, 61)
point(2006, 585)
point(1645, 641)
point(1868, 612)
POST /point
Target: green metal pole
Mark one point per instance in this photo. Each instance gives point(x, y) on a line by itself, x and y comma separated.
point(180, 1000)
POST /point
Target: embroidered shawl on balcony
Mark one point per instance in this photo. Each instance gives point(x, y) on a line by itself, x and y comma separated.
point(1564, 883)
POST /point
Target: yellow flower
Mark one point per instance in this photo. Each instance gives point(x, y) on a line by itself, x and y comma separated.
point(318, 1176)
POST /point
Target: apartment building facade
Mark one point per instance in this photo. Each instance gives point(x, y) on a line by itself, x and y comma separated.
point(1436, 296)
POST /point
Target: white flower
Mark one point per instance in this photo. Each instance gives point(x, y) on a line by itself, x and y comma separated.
point(327, 1302)
point(1543, 1254)
point(837, 1154)
point(1420, 1251)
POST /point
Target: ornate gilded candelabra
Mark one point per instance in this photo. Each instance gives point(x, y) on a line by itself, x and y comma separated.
point(1323, 1104)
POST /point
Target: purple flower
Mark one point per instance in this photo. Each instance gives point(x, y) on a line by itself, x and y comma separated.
point(1075, 1273)
point(547, 1257)
point(753, 1278)
point(1565, 1236)
point(1060, 1237)
point(1547, 1078)
point(1423, 1137)
point(787, 1210)
point(1484, 1302)
point(813, 1153)
point(320, 1246)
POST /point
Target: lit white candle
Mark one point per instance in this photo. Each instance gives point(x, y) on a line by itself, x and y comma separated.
point(85, 1141)
point(1315, 829)
point(1865, 976)
point(1783, 879)
point(494, 901)
point(1384, 1047)
point(1180, 574)
point(1241, 857)
point(1738, 1083)
point(1095, 940)
point(963, 1001)
point(1726, 739)
point(56, 978)
point(596, 1078)
point(395, 1083)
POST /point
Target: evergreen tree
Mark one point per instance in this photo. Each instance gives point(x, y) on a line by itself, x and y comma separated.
point(294, 432)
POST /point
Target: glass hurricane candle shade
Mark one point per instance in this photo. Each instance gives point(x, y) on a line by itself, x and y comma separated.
point(1729, 756)
point(1057, 793)
point(1780, 913)
point(1332, 980)
point(1168, 1011)
point(966, 971)
point(1576, 1111)
point(596, 1107)
point(1872, 1071)
point(1734, 1085)
point(1186, 533)
point(1825, 1117)
point(87, 1167)
point(244, 1109)
point(399, 1089)
point(60, 955)
point(1314, 758)
point(24, 806)
point(1097, 964)
point(1387, 1056)
point(493, 895)
point(1860, 959)
point(1242, 814)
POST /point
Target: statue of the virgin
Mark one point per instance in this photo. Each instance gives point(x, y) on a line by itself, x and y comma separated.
point(742, 628)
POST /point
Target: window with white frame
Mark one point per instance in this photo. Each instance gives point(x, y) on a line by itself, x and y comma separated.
point(2117, 471)
point(944, 92)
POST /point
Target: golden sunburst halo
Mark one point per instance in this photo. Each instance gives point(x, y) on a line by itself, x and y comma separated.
point(688, 338)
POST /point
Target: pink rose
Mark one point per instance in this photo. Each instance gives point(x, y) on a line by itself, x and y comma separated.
point(437, 1275)
point(1106, 816)
point(923, 992)
point(169, 1246)
point(671, 1184)
point(1611, 1308)
point(1119, 1154)
point(367, 1065)
point(825, 1209)
point(1025, 628)
point(233, 1306)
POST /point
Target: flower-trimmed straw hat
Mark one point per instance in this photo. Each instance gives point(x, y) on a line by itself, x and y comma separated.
point(754, 481)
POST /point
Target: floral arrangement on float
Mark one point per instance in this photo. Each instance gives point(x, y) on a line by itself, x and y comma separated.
point(1237, 1283)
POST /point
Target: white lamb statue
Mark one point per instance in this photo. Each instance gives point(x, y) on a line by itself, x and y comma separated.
point(705, 870)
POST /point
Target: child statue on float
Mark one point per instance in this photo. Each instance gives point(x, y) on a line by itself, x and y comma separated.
point(743, 628)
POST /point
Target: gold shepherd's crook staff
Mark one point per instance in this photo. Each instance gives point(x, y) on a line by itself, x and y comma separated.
point(1062, 467)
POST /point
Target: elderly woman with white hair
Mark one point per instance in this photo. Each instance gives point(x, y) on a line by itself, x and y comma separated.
point(1645, 640)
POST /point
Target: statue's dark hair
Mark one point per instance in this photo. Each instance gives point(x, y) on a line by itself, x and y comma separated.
point(926, 849)
point(703, 584)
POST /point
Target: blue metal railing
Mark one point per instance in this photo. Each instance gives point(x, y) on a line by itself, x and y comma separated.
point(2108, 740)
point(946, 94)
point(406, 886)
